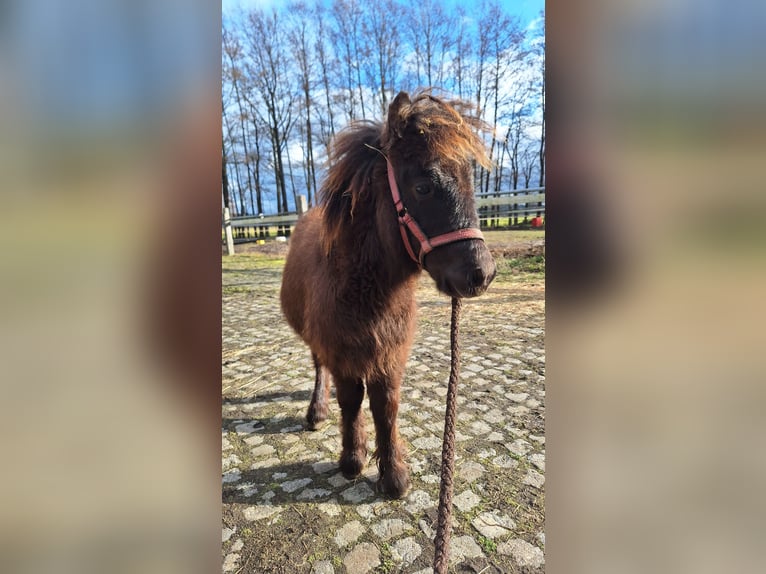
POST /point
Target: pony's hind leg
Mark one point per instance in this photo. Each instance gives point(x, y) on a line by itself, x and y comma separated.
point(393, 478)
point(317, 412)
point(353, 457)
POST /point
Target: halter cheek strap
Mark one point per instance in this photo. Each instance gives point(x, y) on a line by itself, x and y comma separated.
point(406, 221)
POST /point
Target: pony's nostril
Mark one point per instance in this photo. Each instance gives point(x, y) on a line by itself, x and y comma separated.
point(477, 277)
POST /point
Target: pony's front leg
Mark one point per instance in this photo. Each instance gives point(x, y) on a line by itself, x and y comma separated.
point(319, 398)
point(350, 393)
point(394, 476)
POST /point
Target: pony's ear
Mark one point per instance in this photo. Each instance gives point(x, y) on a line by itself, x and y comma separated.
point(398, 112)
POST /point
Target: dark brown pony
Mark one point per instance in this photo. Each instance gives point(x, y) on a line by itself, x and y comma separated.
point(349, 283)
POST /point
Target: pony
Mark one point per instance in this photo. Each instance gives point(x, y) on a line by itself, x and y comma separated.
point(398, 198)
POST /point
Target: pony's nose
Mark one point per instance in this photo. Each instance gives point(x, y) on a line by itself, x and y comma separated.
point(482, 276)
point(476, 278)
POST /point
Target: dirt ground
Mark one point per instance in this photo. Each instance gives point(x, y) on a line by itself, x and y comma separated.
point(286, 507)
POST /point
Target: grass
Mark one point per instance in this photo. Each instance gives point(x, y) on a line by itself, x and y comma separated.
point(247, 261)
point(509, 235)
point(525, 268)
point(234, 289)
point(387, 562)
point(488, 545)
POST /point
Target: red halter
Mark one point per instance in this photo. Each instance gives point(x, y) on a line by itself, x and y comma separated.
point(406, 222)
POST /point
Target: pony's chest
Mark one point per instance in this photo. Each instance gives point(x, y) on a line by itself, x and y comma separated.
point(379, 321)
point(368, 322)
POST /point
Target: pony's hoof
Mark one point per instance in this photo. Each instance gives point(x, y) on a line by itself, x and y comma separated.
point(313, 424)
point(351, 466)
point(394, 484)
point(314, 420)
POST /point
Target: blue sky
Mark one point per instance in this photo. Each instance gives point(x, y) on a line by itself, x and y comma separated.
point(527, 10)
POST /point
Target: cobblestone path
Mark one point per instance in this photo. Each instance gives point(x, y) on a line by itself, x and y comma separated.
point(287, 508)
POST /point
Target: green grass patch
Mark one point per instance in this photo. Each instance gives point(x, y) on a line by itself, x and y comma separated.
point(234, 289)
point(533, 264)
point(488, 545)
point(247, 261)
point(387, 563)
point(510, 235)
point(529, 268)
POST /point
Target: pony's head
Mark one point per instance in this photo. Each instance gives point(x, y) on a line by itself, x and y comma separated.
point(431, 145)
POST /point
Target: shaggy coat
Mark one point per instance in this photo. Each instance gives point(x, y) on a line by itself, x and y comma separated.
point(348, 287)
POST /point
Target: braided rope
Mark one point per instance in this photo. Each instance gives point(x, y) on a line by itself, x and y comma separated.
point(444, 526)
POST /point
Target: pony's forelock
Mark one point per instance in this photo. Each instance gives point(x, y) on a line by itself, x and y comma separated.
point(449, 129)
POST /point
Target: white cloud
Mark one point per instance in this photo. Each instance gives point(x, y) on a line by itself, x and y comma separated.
point(234, 6)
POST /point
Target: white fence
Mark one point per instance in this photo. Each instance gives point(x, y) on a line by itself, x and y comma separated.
point(509, 205)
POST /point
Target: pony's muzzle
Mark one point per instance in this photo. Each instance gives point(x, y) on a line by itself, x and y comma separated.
point(467, 276)
point(479, 279)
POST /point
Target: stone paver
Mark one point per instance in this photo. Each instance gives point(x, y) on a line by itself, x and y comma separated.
point(362, 559)
point(349, 533)
point(534, 478)
point(260, 512)
point(323, 567)
point(293, 485)
point(285, 502)
point(470, 471)
point(465, 501)
point(464, 547)
point(406, 550)
point(357, 493)
point(493, 524)
point(387, 529)
point(230, 562)
point(523, 553)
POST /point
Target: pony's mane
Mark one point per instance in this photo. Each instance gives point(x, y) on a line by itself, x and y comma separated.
point(352, 157)
point(451, 135)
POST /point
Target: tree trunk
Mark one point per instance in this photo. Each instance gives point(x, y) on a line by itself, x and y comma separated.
point(224, 175)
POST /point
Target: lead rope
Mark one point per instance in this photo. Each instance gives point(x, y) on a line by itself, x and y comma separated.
point(444, 525)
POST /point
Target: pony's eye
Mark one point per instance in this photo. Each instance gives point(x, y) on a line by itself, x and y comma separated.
point(422, 189)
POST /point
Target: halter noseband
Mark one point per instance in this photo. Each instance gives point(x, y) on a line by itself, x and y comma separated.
point(406, 221)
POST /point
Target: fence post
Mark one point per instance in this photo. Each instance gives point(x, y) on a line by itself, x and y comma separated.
point(303, 205)
point(227, 230)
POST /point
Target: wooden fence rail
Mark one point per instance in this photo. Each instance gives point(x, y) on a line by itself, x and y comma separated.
point(493, 209)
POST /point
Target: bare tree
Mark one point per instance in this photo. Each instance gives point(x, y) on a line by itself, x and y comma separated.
point(346, 35)
point(269, 73)
point(324, 61)
point(231, 159)
point(463, 49)
point(500, 43)
point(233, 51)
point(430, 32)
point(294, 75)
point(301, 42)
point(528, 159)
point(540, 53)
point(382, 23)
point(224, 175)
